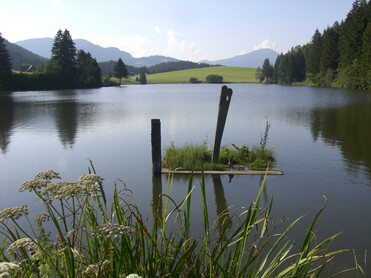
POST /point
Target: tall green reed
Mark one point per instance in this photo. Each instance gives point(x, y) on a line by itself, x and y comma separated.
point(95, 239)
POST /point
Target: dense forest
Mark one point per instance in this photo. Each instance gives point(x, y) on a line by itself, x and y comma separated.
point(340, 56)
point(67, 68)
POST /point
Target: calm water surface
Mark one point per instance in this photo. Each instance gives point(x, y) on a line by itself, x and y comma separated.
point(322, 140)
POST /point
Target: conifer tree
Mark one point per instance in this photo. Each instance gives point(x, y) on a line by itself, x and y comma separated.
point(314, 54)
point(120, 70)
point(5, 65)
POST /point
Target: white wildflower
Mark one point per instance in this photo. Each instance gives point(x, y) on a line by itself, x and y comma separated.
point(14, 212)
point(47, 175)
point(22, 243)
point(109, 230)
point(40, 218)
point(6, 267)
point(133, 275)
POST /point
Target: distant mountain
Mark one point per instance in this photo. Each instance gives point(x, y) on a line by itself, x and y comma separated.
point(252, 59)
point(19, 56)
point(43, 48)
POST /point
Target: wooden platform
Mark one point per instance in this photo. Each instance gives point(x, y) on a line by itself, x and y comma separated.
point(227, 172)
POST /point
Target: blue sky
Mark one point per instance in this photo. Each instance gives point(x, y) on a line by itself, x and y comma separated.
point(190, 30)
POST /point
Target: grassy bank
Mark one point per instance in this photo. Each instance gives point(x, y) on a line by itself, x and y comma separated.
point(97, 239)
point(230, 75)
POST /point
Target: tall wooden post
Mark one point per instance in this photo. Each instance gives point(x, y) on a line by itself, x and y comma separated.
point(156, 146)
point(225, 99)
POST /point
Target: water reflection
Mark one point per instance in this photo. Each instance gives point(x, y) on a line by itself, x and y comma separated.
point(6, 121)
point(222, 210)
point(66, 116)
point(157, 195)
point(347, 127)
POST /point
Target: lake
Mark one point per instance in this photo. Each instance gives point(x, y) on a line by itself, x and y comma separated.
point(321, 138)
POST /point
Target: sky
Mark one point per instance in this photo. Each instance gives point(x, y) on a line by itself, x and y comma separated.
point(193, 30)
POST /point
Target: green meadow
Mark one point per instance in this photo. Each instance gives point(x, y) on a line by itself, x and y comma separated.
point(230, 75)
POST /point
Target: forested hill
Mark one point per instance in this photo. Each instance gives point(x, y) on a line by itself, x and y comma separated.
point(20, 56)
point(340, 56)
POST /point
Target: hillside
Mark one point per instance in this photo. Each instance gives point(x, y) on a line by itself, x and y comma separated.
point(230, 75)
point(252, 59)
point(20, 56)
point(43, 48)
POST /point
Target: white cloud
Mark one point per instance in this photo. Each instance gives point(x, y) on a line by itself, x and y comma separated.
point(158, 30)
point(54, 3)
point(178, 47)
point(266, 44)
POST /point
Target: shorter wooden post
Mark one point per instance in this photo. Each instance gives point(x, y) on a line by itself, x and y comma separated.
point(156, 146)
point(225, 99)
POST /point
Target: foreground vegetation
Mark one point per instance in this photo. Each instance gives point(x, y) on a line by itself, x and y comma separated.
point(95, 239)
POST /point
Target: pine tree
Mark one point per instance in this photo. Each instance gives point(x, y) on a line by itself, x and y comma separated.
point(5, 65)
point(314, 54)
point(64, 57)
point(352, 32)
point(330, 51)
point(267, 71)
point(366, 59)
point(120, 70)
point(87, 70)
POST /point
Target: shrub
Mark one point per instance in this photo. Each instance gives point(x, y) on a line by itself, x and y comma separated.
point(214, 78)
point(194, 80)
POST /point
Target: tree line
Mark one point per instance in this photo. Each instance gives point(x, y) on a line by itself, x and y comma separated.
point(67, 69)
point(340, 56)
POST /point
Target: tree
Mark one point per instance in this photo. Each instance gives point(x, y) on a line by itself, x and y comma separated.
point(5, 65)
point(119, 70)
point(330, 51)
point(351, 33)
point(64, 55)
point(267, 71)
point(314, 54)
point(142, 76)
point(259, 74)
point(213, 78)
point(88, 71)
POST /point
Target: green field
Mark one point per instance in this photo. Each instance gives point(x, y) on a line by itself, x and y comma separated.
point(230, 75)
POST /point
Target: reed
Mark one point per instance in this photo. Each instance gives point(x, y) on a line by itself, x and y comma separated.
point(97, 239)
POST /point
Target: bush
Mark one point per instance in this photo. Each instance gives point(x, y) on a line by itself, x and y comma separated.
point(194, 80)
point(214, 78)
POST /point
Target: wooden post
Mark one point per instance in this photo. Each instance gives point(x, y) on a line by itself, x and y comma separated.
point(225, 99)
point(156, 146)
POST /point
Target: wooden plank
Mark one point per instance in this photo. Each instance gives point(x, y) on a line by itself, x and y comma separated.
point(227, 172)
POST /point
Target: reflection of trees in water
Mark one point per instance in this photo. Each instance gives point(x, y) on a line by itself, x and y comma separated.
point(6, 120)
point(347, 127)
point(66, 117)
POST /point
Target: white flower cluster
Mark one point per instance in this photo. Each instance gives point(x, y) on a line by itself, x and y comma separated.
point(14, 212)
point(96, 269)
point(111, 230)
point(6, 267)
point(40, 218)
point(133, 275)
point(22, 243)
point(90, 181)
point(41, 180)
point(47, 175)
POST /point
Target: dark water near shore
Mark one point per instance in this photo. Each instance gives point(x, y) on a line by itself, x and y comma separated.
point(321, 137)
